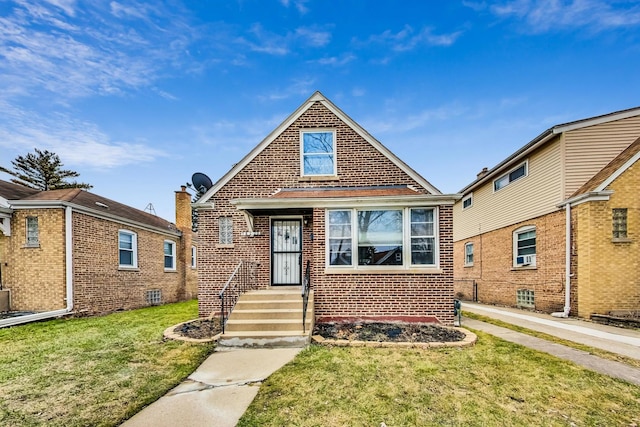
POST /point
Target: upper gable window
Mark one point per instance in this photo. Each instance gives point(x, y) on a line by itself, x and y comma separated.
point(318, 153)
point(467, 201)
point(511, 176)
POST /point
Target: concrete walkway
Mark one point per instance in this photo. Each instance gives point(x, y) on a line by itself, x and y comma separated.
point(620, 341)
point(218, 392)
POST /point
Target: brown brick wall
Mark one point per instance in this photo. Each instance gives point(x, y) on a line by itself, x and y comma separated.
point(498, 280)
point(35, 275)
point(100, 286)
point(607, 272)
point(278, 166)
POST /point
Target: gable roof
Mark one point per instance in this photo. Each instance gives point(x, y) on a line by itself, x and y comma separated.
point(544, 138)
point(85, 201)
point(610, 172)
point(316, 97)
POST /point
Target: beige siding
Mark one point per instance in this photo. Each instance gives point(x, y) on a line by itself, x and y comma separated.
point(590, 149)
point(529, 197)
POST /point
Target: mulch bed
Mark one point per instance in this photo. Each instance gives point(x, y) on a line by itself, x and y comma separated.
point(359, 331)
point(199, 329)
point(388, 332)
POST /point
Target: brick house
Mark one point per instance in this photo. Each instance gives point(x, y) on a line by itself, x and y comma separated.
point(554, 227)
point(320, 190)
point(73, 251)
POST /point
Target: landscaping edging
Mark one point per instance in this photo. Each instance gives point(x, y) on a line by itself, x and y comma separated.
point(170, 334)
point(469, 339)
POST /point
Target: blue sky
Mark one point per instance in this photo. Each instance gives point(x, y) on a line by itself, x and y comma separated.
point(138, 96)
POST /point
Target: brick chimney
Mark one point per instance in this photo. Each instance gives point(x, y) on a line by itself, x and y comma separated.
point(183, 223)
point(482, 173)
point(183, 209)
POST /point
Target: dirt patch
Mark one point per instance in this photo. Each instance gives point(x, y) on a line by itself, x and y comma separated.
point(388, 332)
point(199, 329)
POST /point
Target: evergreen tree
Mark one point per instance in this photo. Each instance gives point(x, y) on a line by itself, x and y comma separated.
point(43, 171)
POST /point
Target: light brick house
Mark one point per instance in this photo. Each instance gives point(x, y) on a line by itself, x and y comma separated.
point(554, 227)
point(74, 251)
point(321, 190)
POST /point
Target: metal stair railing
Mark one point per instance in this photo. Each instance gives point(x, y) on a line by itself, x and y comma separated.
point(306, 287)
point(243, 279)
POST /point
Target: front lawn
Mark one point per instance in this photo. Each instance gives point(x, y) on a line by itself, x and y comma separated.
point(494, 383)
point(93, 371)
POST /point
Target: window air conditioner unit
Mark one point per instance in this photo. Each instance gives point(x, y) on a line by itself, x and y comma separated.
point(526, 260)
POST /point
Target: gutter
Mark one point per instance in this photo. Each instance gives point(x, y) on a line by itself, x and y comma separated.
point(567, 266)
point(69, 280)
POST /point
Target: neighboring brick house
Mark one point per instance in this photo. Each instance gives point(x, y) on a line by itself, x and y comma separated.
point(320, 189)
point(578, 179)
point(74, 251)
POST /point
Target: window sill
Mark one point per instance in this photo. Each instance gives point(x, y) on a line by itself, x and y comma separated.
point(225, 246)
point(621, 240)
point(170, 270)
point(526, 267)
point(32, 246)
point(468, 265)
point(318, 178)
point(124, 268)
point(413, 270)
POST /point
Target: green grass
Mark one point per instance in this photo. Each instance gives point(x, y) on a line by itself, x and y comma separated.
point(492, 383)
point(95, 371)
point(595, 351)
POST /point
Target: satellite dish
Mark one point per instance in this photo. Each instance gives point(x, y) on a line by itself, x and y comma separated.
point(201, 182)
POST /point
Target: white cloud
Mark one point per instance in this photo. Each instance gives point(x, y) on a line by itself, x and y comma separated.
point(547, 15)
point(77, 142)
point(298, 87)
point(272, 43)
point(336, 61)
point(300, 5)
point(408, 39)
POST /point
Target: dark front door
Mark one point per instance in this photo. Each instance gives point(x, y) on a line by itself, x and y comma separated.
point(286, 252)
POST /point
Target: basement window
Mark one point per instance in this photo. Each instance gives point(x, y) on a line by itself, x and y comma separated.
point(154, 297)
point(525, 298)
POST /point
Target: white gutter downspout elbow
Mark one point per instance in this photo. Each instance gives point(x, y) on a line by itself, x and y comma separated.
point(567, 267)
point(68, 222)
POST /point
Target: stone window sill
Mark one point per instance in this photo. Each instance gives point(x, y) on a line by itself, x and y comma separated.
point(32, 246)
point(225, 246)
point(621, 240)
point(524, 268)
point(318, 178)
point(170, 270)
point(374, 271)
point(121, 268)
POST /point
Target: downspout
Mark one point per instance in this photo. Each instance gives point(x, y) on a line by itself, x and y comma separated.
point(567, 267)
point(69, 280)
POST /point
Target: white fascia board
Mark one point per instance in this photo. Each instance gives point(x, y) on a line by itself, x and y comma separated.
point(414, 201)
point(593, 196)
point(618, 172)
point(597, 120)
point(52, 204)
point(4, 203)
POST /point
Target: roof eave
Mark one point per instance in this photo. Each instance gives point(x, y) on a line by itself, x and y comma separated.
point(345, 202)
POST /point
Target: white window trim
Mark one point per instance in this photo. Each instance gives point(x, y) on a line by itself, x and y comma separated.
point(516, 232)
point(406, 241)
point(465, 198)
point(194, 255)
point(466, 263)
point(134, 249)
point(526, 174)
point(335, 154)
point(173, 256)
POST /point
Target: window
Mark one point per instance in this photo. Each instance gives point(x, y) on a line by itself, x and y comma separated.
point(340, 238)
point(468, 254)
point(225, 224)
point(400, 237)
point(169, 255)
point(467, 201)
point(154, 296)
point(422, 237)
point(318, 153)
point(508, 178)
point(193, 256)
point(525, 298)
point(33, 233)
point(127, 249)
point(620, 223)
point(524, 242)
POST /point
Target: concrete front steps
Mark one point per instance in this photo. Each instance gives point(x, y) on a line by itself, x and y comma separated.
point(269, 318)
